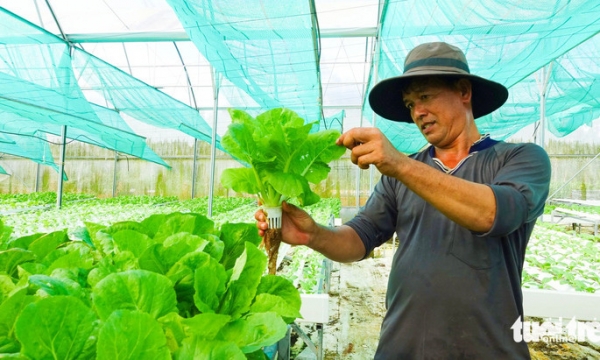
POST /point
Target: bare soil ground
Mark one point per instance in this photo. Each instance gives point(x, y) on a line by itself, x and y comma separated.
point(357, 307)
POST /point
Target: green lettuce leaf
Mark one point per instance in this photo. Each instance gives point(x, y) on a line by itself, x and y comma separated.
point(234, 237)
point(236, 301)
point(249, 267)
point(11, 258)
point(282, 155)
point(151, 259)
point(254, 331)
point(277, 294)
point(56, 327)
point(9, 311)
point(206, 326)
point(51, 286)
point(209, 283)
point(44, 245)
point(132, 240)
point(24, 241)
point(132, 335)
point(5, 232)
point(197, 348)
point(141, 290)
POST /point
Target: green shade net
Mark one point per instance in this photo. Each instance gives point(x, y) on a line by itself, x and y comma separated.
point(266, 49)
point(40, 78)
point(573, 97)
point(38, 90)
point(139, 100)
point(501, 44)
point(34, 148)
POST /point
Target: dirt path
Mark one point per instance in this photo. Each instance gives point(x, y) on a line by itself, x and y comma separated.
point(357, 306)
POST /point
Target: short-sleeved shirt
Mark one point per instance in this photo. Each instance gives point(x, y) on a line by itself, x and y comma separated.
point(453, 293)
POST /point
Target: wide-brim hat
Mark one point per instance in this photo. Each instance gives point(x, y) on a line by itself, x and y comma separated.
point(434, 59)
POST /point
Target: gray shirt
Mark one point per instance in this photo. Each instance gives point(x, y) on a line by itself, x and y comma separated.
point(452, 293)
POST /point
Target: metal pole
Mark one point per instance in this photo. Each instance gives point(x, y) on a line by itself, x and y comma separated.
point(37, 177)
point(62, 166)
point(543, 111)
point(114, 187)
point(216, 77)
point(195, 168)
point(193, 99)
point(545, 78)
point(375, 63)
point(358, 173)
point(316, 38)
point(365, 80)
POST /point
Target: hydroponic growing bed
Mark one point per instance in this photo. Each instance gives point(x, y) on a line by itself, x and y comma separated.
point(557, 259)
point(150, 277)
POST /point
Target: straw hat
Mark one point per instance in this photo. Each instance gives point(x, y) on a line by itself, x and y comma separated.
point(434, 59)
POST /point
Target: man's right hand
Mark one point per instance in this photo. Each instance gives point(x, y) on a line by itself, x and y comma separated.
point(297, 226)
point(339, 243)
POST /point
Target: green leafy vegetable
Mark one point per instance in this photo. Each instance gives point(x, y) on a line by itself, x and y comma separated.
point(56, 327)
point(178, 288)
point(132, 335)
point(283, 155)
point(135, 289)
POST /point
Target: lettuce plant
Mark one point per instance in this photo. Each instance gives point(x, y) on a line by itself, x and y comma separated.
point(169, 287)
point(282, 154)
point(283, 159)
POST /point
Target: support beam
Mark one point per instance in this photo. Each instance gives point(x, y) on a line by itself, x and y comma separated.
point(38, 171)
point(216, 76)
point(195, 168)
point(543, 87)
point(61, 171)
point(193, 100)
point(114, 186)
point(151, 36)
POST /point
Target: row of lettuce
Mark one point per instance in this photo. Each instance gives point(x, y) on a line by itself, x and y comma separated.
point(37, 212)
point(171, 286)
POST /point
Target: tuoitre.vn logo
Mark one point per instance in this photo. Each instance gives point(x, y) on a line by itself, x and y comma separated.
point(556, 331)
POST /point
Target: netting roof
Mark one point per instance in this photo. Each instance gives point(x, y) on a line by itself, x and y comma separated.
point(507, 42)
point(116, 72)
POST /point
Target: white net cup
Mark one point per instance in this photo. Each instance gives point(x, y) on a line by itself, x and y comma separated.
point(273, 216)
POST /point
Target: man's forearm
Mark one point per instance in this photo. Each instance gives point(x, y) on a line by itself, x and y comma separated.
point(340, 244)
point(469, 204)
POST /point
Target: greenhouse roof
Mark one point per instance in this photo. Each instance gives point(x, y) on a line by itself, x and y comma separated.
point(115, 72)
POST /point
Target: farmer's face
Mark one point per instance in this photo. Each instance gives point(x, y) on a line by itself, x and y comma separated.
point(440, 110)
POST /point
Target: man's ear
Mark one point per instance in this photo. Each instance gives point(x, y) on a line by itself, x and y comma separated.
point(465, 88)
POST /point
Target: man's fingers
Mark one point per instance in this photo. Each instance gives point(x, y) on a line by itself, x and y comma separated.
point(259, 215)
point(358, 136)
point(263, 226)
point(349, 140)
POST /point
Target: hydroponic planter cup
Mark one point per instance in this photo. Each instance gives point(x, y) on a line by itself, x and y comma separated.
point(272, 238)
point(273, 216)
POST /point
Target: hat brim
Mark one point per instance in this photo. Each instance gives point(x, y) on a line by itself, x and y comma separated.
point(386, 96)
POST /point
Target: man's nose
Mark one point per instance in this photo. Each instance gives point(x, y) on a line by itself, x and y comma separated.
point(419, 110)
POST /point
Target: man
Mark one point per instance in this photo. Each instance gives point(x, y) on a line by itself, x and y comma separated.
point(463, 209)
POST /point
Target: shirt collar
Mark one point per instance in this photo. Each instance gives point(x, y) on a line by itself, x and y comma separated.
point(484, 142)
